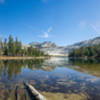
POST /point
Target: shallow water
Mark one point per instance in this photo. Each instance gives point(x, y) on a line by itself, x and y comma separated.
point(56, 78)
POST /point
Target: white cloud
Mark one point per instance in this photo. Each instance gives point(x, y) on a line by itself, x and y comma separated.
point(83, 23)
point(49, 29)
point(95, 28)
point(46, 33)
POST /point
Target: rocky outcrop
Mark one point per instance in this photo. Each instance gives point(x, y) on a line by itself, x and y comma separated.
point(52, 49)
point(49, 48)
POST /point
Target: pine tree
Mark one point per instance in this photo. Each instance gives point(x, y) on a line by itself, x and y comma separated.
point(1, 47)
point(14, 48)
point(11, 46)
point(18, 47)
point(5, 47)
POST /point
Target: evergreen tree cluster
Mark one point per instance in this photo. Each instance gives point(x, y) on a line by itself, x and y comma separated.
point(89, 51)
point(11, 47)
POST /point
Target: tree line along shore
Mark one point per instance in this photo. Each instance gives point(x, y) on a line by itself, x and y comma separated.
point(86, 52)
point(13, 48)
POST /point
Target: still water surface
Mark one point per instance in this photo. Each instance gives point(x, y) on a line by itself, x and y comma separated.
point(56, 78)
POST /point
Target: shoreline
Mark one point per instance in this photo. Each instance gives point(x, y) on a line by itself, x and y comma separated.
point(21, 58)
point(84, 58)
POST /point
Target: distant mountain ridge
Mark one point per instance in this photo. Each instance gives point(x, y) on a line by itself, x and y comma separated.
point(46, 44)
point(52, 49)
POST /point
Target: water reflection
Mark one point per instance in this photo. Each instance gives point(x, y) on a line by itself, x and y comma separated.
point(11, 68)
point(90, 66)
point(52, 76)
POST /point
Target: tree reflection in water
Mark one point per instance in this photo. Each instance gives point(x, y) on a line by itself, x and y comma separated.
point(51, 76)
point(89, 66)
point(11, 68)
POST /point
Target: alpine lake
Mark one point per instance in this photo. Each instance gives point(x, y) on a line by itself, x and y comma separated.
point(57, 78)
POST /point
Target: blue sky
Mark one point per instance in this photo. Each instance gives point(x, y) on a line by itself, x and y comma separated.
point(61, 21)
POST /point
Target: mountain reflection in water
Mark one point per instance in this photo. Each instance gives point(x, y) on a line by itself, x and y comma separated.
point(52, 77)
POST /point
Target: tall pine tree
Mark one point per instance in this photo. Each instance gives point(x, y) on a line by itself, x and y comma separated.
point(5, 47)
point(11, 47)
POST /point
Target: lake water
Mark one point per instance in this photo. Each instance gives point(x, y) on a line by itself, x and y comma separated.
point(56, 78)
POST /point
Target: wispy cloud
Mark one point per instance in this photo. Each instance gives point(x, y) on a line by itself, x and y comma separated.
point(83, 23)
point(95, 28)
point(2, 1)
point(46, 33)
point(92, 28)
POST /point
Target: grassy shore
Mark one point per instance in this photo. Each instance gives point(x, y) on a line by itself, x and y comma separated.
point(21, 58)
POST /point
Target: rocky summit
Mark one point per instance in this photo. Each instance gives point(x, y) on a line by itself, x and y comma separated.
point(52, 49)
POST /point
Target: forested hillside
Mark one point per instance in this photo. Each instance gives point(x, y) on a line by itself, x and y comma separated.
point(11, 47)
point(89, 51)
